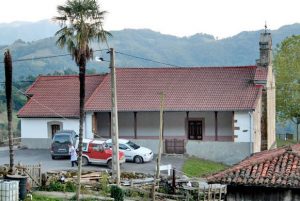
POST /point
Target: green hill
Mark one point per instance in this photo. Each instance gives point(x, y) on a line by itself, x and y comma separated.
point(196, 50)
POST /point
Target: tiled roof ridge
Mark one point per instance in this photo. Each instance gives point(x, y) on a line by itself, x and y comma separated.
point(70, 76)
point(40, 77)
point(183, 67)
point(32, 85)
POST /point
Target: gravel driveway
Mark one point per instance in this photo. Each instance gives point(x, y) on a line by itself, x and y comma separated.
point(35, 156)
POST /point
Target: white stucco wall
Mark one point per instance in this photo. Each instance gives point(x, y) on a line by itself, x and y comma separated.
point(257, 127)
point(243, 126)
point(38, 128)
point(89, 125)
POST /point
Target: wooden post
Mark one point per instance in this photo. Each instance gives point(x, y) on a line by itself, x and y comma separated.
point(174, 180)
point(114, 120)
point(159, 146)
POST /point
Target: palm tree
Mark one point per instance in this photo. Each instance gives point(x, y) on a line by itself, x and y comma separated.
point(81, 23)
point(8, 93)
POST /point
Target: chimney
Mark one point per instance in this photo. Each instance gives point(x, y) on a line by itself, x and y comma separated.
point(265, 49)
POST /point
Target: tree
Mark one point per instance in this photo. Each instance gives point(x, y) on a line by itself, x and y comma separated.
point(8, 93)
point(81, 22)
point(287, 71)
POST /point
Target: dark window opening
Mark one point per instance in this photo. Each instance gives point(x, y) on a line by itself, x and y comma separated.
point(195, 130)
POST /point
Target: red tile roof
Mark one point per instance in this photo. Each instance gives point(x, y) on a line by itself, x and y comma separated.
point(185, 89)
point(274, 168)
point(57, 96)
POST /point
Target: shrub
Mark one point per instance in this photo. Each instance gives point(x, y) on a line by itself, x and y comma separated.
point(59, 186)
point(104, 187)
point(117, 193)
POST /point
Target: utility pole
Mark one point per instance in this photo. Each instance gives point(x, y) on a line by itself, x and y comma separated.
point(114, 120)
point(156, 178)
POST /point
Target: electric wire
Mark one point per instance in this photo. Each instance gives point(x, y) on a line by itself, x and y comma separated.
point(47, 57)
point(146, 59)
point(33, 99)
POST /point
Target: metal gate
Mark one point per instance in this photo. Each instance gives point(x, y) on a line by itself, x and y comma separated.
point(175, 146)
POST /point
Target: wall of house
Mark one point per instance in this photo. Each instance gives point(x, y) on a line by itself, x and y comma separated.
point(126, 124)
point(225, 152)
point(257, 126)
point(248, 193)
point(243, 126)
point(271, 109)
point(35, 131)
point(174, 124)
point(225, 123)
point(148, 124)
point(88, 126)
point(209, 121)
point(103, 124)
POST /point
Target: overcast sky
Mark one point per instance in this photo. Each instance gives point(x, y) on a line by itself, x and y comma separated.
point(221, 18)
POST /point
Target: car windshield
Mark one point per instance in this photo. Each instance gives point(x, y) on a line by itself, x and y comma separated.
point(61, 138)
point(132, 145)
point(106, 146)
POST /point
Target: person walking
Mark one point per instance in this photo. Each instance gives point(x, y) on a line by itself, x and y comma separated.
point(73, 154)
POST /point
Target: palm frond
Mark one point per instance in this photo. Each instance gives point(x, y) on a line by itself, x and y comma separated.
point(81, 22)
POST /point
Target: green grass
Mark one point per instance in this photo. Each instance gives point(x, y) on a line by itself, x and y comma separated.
point(281, 143)
point(43, 198)
point(195, 167)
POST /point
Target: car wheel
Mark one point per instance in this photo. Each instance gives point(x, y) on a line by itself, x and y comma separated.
point(138, 159)
point(85, 161)
point(53, 157)
point(109, 164)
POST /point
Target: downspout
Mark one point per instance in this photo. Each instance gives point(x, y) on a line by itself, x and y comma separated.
point(250, 130)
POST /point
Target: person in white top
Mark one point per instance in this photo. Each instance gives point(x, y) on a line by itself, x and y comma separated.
point(73, 154)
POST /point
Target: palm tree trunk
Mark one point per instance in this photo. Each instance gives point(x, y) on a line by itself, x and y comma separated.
point(8, 93)
point(82, 66)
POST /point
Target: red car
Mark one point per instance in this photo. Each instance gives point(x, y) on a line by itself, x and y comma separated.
point(97, 152)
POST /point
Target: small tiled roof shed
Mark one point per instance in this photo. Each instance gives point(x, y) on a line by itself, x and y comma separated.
point(274, 168)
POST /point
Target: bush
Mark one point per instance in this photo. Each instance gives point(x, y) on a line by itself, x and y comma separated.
point(62, 187)
point(117, 193)
point(104, 184)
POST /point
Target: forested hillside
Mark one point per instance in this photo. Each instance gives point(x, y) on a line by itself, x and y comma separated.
point(197, 50)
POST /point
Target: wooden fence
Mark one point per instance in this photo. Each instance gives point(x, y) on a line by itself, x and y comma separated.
point(34, 173)
point(205, 193)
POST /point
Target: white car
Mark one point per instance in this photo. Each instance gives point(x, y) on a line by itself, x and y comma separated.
point(133, 152)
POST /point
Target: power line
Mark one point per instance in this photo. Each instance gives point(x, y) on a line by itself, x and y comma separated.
point(37, 58)
point(33, 99)
point(146, 59)
point(47, 57)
